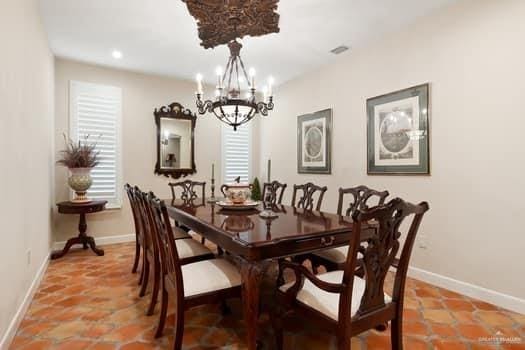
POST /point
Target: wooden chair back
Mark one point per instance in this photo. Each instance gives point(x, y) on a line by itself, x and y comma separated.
point(169, 257)
point(308, 192)
point(144, 221)
point(188, 191)
point(380, 250)
point(273, 192)
point(360, 199)
point(135, 212)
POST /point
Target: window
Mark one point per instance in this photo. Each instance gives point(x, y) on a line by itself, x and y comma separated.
point(95, 111)
point(236, 153)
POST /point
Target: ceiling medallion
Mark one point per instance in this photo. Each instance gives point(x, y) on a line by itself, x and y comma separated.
point(221, 21)
point(229, 106)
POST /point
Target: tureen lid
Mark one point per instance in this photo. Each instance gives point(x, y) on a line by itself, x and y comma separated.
point(238, 184)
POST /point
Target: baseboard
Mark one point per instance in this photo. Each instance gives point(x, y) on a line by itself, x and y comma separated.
point(487, 295)
point(22, 309)
point(105, 240)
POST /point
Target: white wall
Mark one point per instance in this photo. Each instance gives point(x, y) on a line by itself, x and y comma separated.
point(141, 94)
point(473, 55)
point(26, 124)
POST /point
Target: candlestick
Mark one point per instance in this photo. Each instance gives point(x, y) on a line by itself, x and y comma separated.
point(212, 199)
point(269, 169)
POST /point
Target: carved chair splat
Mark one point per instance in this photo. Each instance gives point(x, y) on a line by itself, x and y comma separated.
point(307, 200)
point(273, 192)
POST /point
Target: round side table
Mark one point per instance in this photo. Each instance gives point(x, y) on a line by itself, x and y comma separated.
point(81, 209)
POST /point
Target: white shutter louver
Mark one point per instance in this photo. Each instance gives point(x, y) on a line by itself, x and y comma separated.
point(236, 153)
point(95, 111)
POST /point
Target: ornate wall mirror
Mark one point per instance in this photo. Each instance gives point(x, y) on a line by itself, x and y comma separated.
point(175, 141)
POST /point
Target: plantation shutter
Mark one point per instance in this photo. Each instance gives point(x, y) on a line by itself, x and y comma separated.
point(236, 153)
point(95, 111)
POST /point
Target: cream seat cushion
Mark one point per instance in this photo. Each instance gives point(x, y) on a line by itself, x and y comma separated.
point(336, 255)
point(208, 276)
point(179, 233)
point(187, 248)
point(328, 303)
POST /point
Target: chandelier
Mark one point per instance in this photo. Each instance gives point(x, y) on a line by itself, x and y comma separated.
point(229, 105)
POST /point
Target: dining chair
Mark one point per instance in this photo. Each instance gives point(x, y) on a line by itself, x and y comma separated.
point(138, 233)
point(273, 192)
point(198, 283)
point(189, 189)
point(189, 196)
point(139, 230)
point(190, 251)
point(362, 198)
point(341, 301)
point(307, 199)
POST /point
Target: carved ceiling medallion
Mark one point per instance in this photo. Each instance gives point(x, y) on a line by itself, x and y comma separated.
point(221, 21)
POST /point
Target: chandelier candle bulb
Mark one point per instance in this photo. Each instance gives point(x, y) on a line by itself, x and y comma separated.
point(218, 71)
point(252, 77)
point(199, 84)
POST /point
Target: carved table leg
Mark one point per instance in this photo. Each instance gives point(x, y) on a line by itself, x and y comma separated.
point(82, 227)
point(82, 238)
point(93, 246)
point(70, 242)
point(251, 274)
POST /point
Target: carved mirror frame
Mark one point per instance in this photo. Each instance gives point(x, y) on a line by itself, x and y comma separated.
point(175, 111)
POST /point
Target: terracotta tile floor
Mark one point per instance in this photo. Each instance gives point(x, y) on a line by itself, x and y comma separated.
point(90, 302)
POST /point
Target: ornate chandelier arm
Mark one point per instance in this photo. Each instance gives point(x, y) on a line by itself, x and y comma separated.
point(204, 106)
point(263, 107)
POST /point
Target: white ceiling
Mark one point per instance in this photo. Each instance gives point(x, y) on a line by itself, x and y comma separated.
point(159, 36)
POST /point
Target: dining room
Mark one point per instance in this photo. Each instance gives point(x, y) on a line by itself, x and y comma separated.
point(271, 174)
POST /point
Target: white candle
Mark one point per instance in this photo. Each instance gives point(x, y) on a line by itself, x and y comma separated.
point(269, 169)
point(218, 71)
point(199, 83)
point(270, 86)
point(252, 76)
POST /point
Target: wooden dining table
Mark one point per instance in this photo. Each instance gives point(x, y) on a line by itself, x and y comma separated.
point(255, 241)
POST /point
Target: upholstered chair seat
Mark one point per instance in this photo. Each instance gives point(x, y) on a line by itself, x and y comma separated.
point(188, 248)
point(179, 233)
point(328, 303)
point(335, 255)
point(209, 276)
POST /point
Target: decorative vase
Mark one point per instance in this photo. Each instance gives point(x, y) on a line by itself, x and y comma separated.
point(80, 181)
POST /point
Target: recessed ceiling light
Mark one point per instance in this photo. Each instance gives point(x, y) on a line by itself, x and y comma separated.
point(339, 49)
point(116, 54)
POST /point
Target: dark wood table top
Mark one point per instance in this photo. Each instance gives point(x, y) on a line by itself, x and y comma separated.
point(93, 206)
point(293, 231)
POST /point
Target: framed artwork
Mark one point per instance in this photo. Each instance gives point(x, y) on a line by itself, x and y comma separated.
point(314, 140)
point(398, 132)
